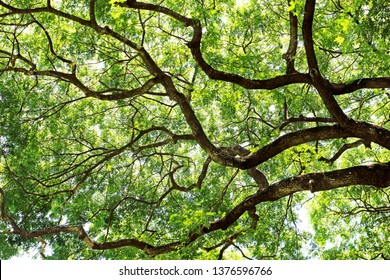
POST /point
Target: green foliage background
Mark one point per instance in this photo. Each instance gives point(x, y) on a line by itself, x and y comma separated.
point(69, 158)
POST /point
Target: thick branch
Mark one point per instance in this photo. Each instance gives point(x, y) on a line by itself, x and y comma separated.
point(289, 56)
point(307, 31)
point(323, 86)
point(195, 47)
point(339, 89)
point(326, 90)
point(375, 175)
point(289, 140)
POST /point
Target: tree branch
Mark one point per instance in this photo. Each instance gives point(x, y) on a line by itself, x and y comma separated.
point(195, 47)
point(289, 56)
point(339, 89)
point(377, 175)
point(343, 149)
point(289, 140)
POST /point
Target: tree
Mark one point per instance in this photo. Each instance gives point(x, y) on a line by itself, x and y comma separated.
point(195, 129)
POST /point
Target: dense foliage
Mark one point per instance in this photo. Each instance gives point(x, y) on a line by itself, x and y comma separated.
point(200, 129)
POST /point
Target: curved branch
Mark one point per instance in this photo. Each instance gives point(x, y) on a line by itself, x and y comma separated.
point(289, 140)
point(13, 11)
point(116, 93)
point(377, 175)
point(366, 131)
point(51, 46)
point(82, 235)
point(343, 149)
point(318, 81)
point(301, 118)
point(307, 31)
point(195, 47)
point(382, 82)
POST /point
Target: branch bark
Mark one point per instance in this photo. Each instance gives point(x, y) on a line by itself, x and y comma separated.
point(195, 46)
point(377, 175)
point(289, 56)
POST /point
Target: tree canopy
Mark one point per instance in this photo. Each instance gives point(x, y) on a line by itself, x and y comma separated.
point(202, 129)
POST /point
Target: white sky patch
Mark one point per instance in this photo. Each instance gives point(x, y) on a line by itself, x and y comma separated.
point(98, 65)
point(96, 128)
point(241, 3)
point(304, 224)
point(27, 256)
